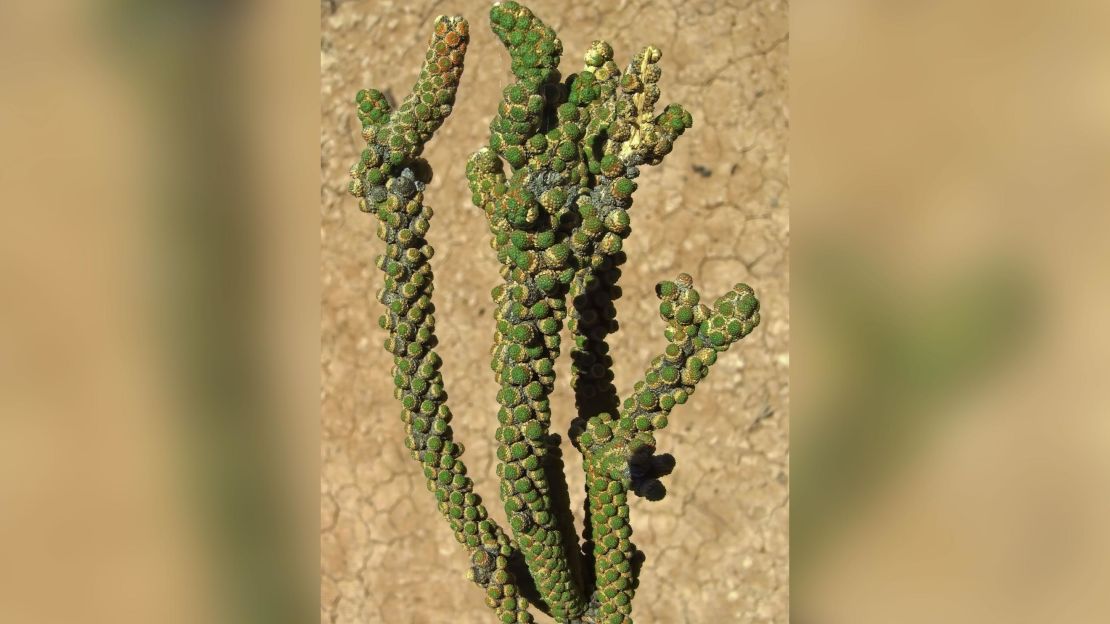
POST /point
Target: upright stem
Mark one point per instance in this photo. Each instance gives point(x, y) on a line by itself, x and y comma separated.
point(389, 182)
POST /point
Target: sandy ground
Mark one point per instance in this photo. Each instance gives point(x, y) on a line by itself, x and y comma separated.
point(717, 208)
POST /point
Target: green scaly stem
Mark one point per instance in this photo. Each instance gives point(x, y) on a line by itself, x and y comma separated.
point(696, 334)
point(389, 181)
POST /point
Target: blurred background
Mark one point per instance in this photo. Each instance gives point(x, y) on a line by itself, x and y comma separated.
point(158, 332)
point(950, 448)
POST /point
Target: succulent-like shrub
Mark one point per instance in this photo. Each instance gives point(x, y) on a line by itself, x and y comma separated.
point(558, 216)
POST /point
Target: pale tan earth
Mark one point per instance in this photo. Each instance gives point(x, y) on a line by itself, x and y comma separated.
point(717, 208)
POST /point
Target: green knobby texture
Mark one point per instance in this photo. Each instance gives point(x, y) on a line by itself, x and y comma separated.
point(526, 216)
point(558, 222)
point(558, 216)
point(388, 185)
point(695, 335)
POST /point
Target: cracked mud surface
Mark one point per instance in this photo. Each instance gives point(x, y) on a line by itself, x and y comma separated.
point(716, 208)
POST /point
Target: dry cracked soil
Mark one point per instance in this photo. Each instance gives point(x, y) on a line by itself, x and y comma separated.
point(716, 208)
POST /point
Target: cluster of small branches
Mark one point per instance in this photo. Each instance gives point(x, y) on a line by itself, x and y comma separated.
point(555, 183)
